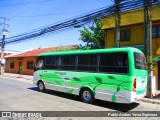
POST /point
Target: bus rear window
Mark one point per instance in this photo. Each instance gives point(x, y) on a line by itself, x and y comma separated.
point(139, 60)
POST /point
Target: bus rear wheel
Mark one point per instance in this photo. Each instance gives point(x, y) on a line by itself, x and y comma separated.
point(87, 96)
point(41, 87)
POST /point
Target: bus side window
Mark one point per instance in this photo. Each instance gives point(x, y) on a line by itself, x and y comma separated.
point(113, 63)
point(67, 62)
point(48, 62)
point(87, 63)
point(118, 61)
point(121, 60)
point(126, 62)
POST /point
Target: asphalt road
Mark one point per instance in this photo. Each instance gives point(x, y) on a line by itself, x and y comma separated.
point(19, 95)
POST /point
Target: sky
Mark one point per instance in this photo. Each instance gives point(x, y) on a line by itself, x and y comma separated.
point(27, 15)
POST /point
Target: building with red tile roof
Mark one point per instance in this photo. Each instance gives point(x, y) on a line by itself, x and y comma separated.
point(27, 58)
point(6, 53)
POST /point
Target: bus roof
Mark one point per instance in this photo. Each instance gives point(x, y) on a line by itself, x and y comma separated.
point(127, 49)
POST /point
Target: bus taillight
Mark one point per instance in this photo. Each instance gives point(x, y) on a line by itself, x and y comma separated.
point(134, 85)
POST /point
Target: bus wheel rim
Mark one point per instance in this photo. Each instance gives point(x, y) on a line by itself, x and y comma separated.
point(41, 86)
point(86, 95)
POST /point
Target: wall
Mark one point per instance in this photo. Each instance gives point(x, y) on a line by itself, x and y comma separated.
point(131, 17)
point(16, 65)
point(136, 36)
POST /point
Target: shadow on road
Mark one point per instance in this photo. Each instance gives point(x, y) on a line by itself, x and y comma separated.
point(114, 106)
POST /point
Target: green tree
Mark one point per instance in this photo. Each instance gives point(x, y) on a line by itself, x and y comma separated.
point(93, 36)
point(21, 70)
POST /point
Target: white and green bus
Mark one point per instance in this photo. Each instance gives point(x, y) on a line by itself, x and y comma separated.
point(117, 75)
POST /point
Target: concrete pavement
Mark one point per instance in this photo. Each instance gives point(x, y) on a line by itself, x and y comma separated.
point(29, 78)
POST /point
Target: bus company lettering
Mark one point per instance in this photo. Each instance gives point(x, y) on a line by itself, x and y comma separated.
point(60, 73)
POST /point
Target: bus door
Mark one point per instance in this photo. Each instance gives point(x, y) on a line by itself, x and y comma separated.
point(48, 73)
point(38, 69)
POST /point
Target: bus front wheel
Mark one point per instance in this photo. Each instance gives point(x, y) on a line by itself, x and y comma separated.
point(41, 87)
point(87, 96)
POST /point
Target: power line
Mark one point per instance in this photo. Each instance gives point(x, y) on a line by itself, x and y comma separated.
point(54, 14)
point(57, 9)
point(101, 1)
point(79, 20)
point(25, 3)
point(55, 27)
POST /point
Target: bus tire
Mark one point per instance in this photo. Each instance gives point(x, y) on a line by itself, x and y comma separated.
point(87, 95)
point(41, 86)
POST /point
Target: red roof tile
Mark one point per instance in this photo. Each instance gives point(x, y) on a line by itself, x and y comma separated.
point(36, 52)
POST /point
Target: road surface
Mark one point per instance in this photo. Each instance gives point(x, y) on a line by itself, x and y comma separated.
point(20, 95)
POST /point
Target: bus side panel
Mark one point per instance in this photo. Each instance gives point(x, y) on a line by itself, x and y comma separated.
point(37, 76)
point(74, 81)
point(115, 88)
point(108, 87)
point(53, 80)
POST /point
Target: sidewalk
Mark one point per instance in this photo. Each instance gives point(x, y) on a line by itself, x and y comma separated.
point(18, 76)
point(154, 100)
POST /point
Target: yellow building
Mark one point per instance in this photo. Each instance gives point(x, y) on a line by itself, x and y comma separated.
point(132, 33)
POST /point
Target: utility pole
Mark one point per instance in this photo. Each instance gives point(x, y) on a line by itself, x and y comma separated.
point(145, 29)
point(148, 43)
point(117, 22)
point(4, 33)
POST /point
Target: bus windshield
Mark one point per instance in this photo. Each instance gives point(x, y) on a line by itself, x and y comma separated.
point(39, 64)
point(140, 61)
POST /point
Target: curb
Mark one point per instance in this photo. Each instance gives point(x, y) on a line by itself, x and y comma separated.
point(147, 100)
point(15, 77)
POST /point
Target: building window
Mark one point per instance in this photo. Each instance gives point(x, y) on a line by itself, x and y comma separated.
point(125, 35)
point(156, 31)
point(12, 64)
point(30, 65)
